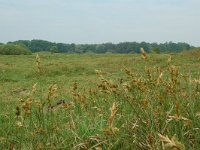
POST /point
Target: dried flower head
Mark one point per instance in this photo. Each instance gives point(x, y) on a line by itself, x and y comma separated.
point(144, 55)
point(171, 144)
point(37, 60)
point(52, 92)
point(113, 111)
point(38, 63)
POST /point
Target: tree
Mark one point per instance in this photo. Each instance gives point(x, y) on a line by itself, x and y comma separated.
point(100, 48)
point(123, 47)
point(54, 49)
point(14, 49)
point(156, 50)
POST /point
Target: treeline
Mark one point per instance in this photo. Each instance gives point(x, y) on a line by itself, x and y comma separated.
point(124, 47)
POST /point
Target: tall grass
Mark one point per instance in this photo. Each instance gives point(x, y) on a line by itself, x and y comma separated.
point(135, 106)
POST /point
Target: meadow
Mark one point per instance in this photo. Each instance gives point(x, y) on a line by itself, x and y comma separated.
point(100, 101)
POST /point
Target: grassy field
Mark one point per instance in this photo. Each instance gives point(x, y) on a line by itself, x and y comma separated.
point(111, 101)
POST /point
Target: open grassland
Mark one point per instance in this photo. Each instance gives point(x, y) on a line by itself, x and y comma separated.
point(111, 101)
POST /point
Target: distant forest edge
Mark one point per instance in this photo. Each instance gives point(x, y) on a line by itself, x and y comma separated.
point(26, 47)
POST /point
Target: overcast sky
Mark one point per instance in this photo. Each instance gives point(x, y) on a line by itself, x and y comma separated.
point(98, 21)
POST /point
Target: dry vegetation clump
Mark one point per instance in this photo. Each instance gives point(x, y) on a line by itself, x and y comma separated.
point(157, 108)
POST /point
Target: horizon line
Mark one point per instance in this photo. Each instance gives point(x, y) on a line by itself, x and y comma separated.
point(77, 43)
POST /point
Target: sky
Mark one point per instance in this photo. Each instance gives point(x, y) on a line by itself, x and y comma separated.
point(100, 21)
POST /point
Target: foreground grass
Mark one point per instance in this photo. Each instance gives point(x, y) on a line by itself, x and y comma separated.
point(111, 102)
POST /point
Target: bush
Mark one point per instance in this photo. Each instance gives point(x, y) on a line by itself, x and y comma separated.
point(17, 49)
point(156, 50)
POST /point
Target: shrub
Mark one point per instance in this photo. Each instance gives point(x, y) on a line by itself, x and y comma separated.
point(17, 49)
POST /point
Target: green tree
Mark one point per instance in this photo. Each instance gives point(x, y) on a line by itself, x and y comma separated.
point(54, 49)
point(14, 49)
point(123, 47)
point(156, 50)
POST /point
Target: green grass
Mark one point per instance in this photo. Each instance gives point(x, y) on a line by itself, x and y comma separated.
point(152, 98)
